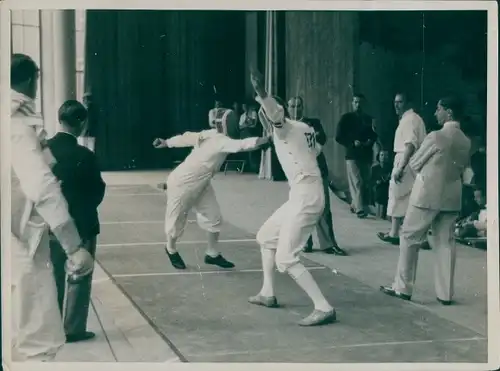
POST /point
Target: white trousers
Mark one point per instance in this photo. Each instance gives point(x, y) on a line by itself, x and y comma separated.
point(182, 198)
point(288, 229)
point(413, 234)
point(37, 327)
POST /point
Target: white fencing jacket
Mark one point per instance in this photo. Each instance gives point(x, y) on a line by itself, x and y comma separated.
point(37, 202)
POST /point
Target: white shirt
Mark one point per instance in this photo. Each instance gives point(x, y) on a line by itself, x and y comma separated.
point(210, 150)
point(294, 141)
point(411, 129)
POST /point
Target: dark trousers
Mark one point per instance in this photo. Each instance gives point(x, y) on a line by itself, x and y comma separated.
point(75, 312)
point(326, 235)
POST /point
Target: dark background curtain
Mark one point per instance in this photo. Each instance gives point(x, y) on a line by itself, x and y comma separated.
point(152, 74)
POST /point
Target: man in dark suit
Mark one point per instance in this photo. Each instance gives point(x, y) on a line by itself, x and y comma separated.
point(82, 186)
point(355, 133)
point(326, 235)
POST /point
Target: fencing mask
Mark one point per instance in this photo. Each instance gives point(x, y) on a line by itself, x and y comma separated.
point(227, 122)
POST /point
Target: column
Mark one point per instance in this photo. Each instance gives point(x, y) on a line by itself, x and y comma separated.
point(58, 63)
point(25, 39)
point(251, 52)
point(270, 75)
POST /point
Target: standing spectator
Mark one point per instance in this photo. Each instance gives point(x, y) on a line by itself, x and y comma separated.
point(435, 203)
point(355, 133)
point(381, 175)
point(248, 129)
point(408, 138)
point(327, 241)
point(212, 114)
point(83, 189)
point(37, 206)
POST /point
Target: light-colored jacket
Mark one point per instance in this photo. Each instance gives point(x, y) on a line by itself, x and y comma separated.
point(37, 203)
point(439, 163)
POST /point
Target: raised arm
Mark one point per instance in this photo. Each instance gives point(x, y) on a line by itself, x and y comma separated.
point(274, 111)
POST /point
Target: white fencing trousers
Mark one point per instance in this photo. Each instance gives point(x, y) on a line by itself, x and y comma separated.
point(37, 327)
point(181, 199)
point(413, 233)
point(288, 229)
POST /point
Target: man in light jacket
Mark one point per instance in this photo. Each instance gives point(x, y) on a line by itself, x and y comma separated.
point(37, 207)
point(435, 202)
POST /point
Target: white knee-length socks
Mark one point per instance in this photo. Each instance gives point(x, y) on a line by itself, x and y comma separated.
point(306, 281)
point(268, 267)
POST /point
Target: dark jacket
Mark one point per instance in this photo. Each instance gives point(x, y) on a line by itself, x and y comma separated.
point(356, 126)
point(321, 139)
point(81, 182)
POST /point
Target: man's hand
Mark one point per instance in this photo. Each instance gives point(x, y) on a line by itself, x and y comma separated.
point(398, 174)
point(80, 263)
point(357, 143)
point(159, 143)
point(257, 80)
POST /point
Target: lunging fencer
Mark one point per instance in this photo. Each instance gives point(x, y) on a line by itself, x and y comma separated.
point(285, 233)
point(189, 185)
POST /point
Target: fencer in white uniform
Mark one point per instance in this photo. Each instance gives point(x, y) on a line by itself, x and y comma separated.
point(285, 233)
point(37, 205)
point(189, 185)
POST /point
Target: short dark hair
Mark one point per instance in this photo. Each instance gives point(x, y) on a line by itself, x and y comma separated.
point(405, 95)
point(72, 113)
point(453, 103)
point(359, 95)
point(22, 69)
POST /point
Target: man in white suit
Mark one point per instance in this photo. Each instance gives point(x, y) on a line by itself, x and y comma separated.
point(435, 203)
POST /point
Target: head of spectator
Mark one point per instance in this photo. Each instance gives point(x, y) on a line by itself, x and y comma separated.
point(72, 117)
point(358, 102)
point(24, 75)
point(448, 109)
point(480, 196)
point(295, 108)
point(402, 103)
point(383, 158)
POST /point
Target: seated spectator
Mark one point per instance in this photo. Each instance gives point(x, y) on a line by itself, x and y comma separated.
point(478, 164)
point(475, 224)
point(381, 174)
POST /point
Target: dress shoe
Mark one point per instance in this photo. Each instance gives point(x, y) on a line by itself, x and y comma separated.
point(444, 302)
point(335, 250)
point(176, 260)
point(425, 246)
point(386, 238)
point(318, 317)
point(74, 338)
point(264, 301)
point(219, 261)
point(391, 292)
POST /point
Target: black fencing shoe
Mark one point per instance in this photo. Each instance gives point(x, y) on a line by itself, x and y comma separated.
point(176, 260)
point(74, 338)
point(335, 250)
point(219, 261)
